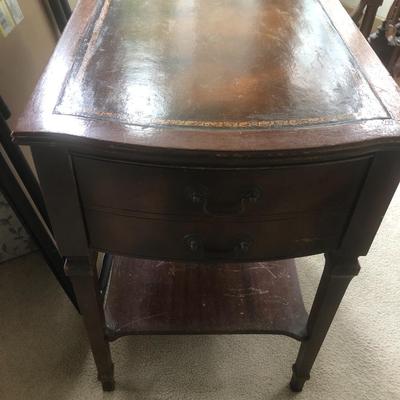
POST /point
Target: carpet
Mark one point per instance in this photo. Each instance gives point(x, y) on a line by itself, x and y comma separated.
point(44, 353)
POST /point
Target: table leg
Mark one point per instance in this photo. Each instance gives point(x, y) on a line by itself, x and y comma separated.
point(358, 12)
point(366, 10)
point(83, 275)
point(338, 272)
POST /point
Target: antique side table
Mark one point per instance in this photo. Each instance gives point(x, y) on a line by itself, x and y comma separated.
point(204, 145)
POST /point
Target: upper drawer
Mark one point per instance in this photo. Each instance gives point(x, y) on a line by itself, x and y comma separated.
point(118, 185)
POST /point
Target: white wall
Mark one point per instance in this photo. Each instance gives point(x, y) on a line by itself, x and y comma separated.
point(24, 54)
point(382, 12)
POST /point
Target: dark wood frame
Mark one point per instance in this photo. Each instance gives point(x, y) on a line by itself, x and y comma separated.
point(34, 221)
point(340, 267)
point(55, 142)
point(18, 161)
point(61, 11)
point(366, 13)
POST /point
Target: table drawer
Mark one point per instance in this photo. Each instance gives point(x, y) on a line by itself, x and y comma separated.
point(199, 240)
point(116, 185)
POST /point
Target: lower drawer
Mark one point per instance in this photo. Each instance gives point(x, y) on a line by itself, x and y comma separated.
point(196, 240)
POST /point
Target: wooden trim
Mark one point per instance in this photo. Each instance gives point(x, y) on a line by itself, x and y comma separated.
point(26, 213)
point(67, 221)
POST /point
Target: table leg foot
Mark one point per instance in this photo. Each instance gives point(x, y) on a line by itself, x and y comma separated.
point(108, 386)
point(107, 380)
point(83, 275)
point(338, 272)
point(297, 382)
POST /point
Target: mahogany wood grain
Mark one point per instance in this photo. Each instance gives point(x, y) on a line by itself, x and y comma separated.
point(182, 78)
point(61, 195)
point(213, 131)
point(243, 192)
point(173, 298)
point(338, 272)
point(374, 198)
point(182, 239)
point(83, 274)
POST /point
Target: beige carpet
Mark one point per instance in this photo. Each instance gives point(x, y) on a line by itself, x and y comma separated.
point(44, 353)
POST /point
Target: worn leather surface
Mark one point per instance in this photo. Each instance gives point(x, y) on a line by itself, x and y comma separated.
point(216, 63)
point(224, 78)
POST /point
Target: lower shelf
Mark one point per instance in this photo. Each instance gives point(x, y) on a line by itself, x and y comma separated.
point(159, 297)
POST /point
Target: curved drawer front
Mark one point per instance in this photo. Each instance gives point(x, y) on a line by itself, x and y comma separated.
point(215, 193)
point(197, 240)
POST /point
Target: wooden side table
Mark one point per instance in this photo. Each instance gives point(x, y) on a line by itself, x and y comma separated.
point(205, 146)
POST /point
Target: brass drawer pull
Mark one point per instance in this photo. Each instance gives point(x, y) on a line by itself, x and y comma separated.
point(196, 245)
point(199, 196)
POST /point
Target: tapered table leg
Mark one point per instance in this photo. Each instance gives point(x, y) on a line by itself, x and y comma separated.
point(338, 272)
point(358, 12)
point(83, 275)
point(369, 17)
point(366, 10)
